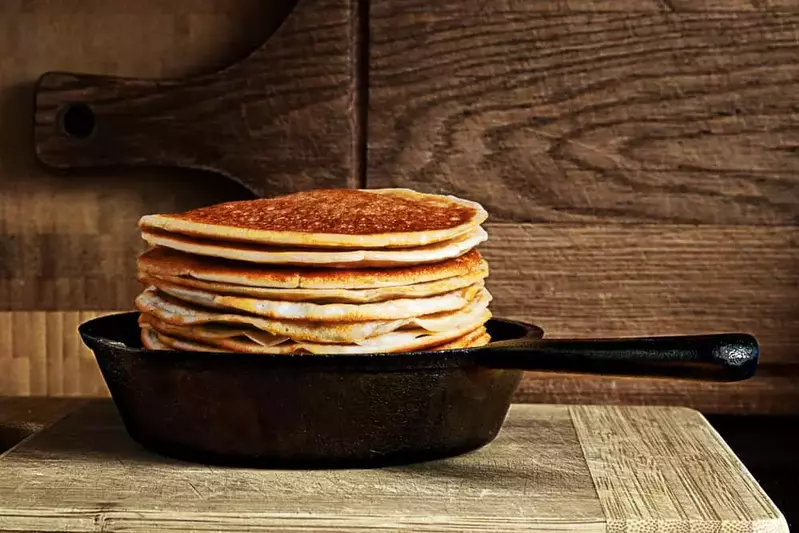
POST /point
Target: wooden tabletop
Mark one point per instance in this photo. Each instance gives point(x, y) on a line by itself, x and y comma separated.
point(598, 468)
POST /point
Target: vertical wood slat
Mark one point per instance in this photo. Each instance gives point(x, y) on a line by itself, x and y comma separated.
point(72, 377)
point(21, 349)
point(7, 385)
point(42, 354)
point(91, 383)
point(55, 353)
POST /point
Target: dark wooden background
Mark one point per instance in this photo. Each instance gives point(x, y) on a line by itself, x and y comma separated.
point(639, 160)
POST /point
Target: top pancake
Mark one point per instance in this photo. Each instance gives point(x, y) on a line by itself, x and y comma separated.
point(330, 218)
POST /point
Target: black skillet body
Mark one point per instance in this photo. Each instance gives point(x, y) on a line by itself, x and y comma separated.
point(303, 411)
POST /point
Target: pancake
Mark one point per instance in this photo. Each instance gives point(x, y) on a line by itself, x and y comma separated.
point(321, 296)
point(481, 341)
point(397, 341)
point(255, 253)
point(473, 339)
point(165, 263)
point(334, 218)
point(175, 312)
point(208, 332)
point(153, 340)
point(333, 271)
point(330, 312)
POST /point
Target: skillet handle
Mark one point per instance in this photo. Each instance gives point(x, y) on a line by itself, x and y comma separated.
point(720, 357)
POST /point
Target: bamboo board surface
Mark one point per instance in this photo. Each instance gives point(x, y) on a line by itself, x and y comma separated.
point(44, 356)
point(552, 468)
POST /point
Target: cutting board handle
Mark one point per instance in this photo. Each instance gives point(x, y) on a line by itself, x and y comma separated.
point(89, 120)
point(256, 121)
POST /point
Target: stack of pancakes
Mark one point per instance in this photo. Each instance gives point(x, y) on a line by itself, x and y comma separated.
point(325, 271)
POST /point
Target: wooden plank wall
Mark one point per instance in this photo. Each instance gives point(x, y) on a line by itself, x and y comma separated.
point(639, 160)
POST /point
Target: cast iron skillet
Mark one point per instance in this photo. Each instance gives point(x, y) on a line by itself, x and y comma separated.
point(364, 410)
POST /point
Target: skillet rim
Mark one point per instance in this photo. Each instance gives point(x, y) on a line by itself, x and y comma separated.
point(101, 341)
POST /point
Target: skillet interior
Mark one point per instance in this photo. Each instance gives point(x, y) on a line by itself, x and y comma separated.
point(121, 332)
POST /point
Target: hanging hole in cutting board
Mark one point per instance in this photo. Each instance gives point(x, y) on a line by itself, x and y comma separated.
point(77, 121)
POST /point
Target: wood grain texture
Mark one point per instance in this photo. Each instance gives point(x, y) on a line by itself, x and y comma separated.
point(274, 121)
point(586, 281)
point(534, 477)
point(41, 354)
point(222, 7)
point(138, 491)
point(71, 244)
point(772, 391)
point(553, 115)
point(606, 281)
point(630, 453)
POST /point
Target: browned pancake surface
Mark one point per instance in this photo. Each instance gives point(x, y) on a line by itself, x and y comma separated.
point(335, 211)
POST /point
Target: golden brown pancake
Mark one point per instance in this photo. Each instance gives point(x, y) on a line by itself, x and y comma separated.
point(363, 219)
point(252, 340)
point(318, 257)
point(325, 271)
point(154, 340)
point(398, 341)
point(175, 312)
point(473, 339)
point(329, 312)
point(206, 332)
point(161, 262)
point(320, 296)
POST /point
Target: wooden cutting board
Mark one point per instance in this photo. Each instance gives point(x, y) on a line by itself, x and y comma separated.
point(275, 121)
point(552, 468)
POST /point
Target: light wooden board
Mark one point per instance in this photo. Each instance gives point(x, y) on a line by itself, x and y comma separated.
point(552, 468)
point(669, 467)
